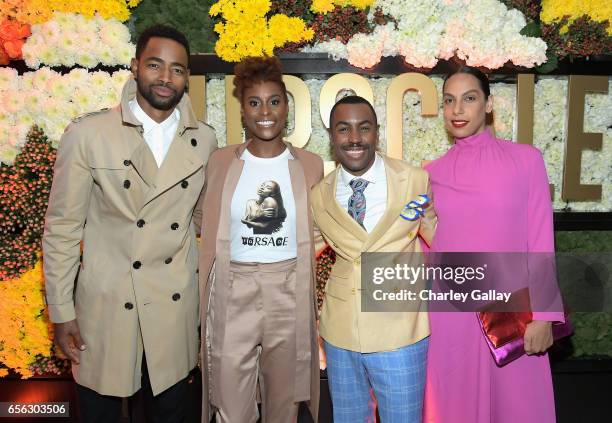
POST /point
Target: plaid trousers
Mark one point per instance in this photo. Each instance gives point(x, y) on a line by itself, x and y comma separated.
point(396, 378)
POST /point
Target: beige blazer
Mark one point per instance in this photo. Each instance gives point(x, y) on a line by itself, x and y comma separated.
point(223, 173)
point(137, 284)
point(341, 322)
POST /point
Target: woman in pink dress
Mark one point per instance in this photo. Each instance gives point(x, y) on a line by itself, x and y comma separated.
point(491, 195)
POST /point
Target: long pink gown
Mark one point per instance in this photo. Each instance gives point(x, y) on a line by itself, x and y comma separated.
point(491, 195)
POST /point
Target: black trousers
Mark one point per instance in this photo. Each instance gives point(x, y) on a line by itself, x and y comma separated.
point(169, 406)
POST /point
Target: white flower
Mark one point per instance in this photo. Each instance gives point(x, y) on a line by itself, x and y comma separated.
point(12, 101)
point(119, 79)
point(7, 152)
point(215, 107)
point(70, 39)
point(42, 77)
point(50, 31)
point(124, 54)
point(366, 50)
point(114, 33)
point(334, 48)
point(8, 79)
point(87, 59)
point(481, 32)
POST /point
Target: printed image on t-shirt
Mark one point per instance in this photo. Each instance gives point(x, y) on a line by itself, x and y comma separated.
point(266, 214)
point(263, 215)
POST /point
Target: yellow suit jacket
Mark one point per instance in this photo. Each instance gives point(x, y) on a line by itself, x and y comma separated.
point(341, 322)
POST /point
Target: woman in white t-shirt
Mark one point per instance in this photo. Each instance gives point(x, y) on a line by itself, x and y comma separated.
point(258, 253)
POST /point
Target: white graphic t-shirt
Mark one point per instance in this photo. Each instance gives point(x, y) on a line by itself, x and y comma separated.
point(263, 211)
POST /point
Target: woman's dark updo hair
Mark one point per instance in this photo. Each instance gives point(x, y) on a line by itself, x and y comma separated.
point(254, 70)
point(476, 73)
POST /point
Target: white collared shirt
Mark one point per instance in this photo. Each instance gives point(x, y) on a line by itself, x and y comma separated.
point(158, 136)
point(375, 193)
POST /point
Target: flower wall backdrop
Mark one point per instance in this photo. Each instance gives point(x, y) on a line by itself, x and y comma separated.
point(481, 32)
point(426, 139)
point(50, 100)
point(85, 38)
point(25, 331)
point(488, 33)
point(70, 39)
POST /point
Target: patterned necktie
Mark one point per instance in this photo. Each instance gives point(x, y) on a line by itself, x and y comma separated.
point(357, 201)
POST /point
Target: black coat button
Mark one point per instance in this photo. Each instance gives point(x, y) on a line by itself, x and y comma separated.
point(168, 260)
point(174, 226)
point(184, 184)
point(194, 142)
point(128, 306)
point(140, 223)
point(176, 296)
point(136, 265)
point(126, 184)
point(127, 162)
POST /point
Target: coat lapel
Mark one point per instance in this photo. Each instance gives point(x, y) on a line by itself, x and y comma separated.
point(397, 186)
point(180, 163)
point(144, 163)
point(181, 160)
point(303, 295)
point(335, 210)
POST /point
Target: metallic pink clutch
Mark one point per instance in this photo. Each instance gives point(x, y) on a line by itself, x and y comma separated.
point(504, 331)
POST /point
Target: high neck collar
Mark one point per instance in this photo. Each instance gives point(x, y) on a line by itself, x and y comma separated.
point(476, 139)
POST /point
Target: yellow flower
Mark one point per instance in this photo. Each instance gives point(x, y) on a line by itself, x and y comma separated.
point(598, 10)
point(25, 330)
point(357, 4)
point(38, 11)
point(326, 6)
point(245, 32)
point(322, 6)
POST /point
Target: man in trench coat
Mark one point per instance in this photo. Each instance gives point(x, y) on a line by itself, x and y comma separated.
point(125, 186)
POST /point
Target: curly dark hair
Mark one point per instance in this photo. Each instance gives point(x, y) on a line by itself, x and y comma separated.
point(253, 70)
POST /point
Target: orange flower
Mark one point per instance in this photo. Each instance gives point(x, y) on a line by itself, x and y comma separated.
point(12, 38)
point(4, 57)
point(13, 30)
point(13, 48)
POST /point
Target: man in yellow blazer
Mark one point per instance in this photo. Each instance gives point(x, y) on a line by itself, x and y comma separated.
point(126, 182)
point(358, 208)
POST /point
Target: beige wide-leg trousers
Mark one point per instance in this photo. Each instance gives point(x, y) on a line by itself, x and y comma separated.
point(259, 345)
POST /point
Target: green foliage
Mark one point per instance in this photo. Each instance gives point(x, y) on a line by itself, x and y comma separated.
point(189, 16)
point(583, 241)
point(532, 29)
point(581, 38)
point(550, 65)
point(530, 8)
point(592, 331)
point(592, 334)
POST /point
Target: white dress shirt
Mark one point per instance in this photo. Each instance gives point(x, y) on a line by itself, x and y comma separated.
point(158, 136)
point(375, 193)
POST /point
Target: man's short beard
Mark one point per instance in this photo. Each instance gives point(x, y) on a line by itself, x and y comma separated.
point(147, 93)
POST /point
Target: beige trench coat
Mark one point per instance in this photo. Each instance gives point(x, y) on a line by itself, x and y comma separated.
point(223, 173)
point(137, 286)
